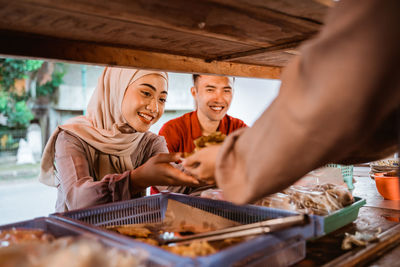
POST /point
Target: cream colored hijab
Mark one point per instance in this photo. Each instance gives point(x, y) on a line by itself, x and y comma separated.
point(103, 127)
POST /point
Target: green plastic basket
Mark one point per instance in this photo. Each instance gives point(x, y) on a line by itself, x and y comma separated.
point(347, 173)
point(343, 216)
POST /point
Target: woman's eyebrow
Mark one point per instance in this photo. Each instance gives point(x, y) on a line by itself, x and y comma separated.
point(150, 86)
point(153, 88)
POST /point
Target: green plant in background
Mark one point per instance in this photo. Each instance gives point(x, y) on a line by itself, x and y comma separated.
point(16, 111)
point(51, 86)
point(20, 116)
point(13, 104)
point(13, 69)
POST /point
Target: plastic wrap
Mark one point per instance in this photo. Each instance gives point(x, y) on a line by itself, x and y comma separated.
point(214, 193)
point(320, 199)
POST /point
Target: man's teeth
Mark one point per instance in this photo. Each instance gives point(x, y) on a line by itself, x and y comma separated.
point(147, 117)
point(216, 108)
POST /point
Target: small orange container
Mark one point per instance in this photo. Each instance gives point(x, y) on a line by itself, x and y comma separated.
point(388, 186)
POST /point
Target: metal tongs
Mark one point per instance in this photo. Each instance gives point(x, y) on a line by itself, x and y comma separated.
point(257, 228)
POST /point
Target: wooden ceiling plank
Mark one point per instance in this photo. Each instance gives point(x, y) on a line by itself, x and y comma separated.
point(279, 58)
point(310, 10)
point(238, 55)
point(34, 46)
point(66, 24)
point(258, 27)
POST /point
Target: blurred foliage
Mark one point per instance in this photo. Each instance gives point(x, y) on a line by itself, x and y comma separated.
point(17, 112)
point(14, 110)
point(51, 86)
point(12, 69)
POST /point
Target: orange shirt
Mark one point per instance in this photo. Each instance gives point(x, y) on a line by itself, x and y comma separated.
point(182, 131)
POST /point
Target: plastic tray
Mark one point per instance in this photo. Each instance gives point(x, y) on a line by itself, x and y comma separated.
point(343, 216)
point(59, 229)
point(282, 248)
point(347, 173)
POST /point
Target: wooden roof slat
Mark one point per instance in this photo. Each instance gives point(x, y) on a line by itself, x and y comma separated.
point(307, 10)
point(12, 43)
point(255, 52)
point(229, 34)
point(77, 26)
point(247, 25)
point(275, 58)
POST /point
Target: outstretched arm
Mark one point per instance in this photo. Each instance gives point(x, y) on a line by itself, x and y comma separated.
point(332, 100)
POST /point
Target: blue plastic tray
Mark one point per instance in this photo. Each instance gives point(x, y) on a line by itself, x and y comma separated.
point(280, 249)
point(60, 229)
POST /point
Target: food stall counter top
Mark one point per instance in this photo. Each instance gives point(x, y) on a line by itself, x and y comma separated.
point(377, 213)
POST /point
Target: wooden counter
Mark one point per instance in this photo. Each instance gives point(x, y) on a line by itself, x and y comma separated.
point(378, 212)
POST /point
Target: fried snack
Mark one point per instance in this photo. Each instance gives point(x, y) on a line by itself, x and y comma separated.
point(68, 251)
point(209, 140)
point(148, 240)
point(148, 233)
point(131, 230)
point(142, 232)
point(194, 249)
point(19, 236)
point(205, 141)
point(202, 248)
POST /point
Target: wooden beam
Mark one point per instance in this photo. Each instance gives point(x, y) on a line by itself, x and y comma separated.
point(307, 10)
point(246, 25)
point(18, 16)
point(36, 46)
point(253, 52)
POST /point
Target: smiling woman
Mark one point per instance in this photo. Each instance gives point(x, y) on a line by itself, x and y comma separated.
point(144, 101)
point(109, 154)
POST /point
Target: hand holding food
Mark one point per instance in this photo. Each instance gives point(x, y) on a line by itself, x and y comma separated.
point(202, 164)
point(158, 171)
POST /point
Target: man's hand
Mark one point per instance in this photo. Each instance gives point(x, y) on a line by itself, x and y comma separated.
point(158, 171)
point(202, 164)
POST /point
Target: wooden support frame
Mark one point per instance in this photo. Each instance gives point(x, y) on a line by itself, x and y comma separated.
point(36, 46)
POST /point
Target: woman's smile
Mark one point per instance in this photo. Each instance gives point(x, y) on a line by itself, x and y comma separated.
point(144, 101)
point(146, 118)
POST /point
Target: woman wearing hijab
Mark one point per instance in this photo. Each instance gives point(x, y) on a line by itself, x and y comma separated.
point(109, 155)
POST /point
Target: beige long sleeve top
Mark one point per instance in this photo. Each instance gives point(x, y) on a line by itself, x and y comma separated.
point(79, 185)
point(337, 103)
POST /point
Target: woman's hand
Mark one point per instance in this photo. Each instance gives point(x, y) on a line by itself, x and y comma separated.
point(158, 171)
point(202, 164)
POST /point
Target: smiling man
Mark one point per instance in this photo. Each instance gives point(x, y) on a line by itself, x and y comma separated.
point(213, 97)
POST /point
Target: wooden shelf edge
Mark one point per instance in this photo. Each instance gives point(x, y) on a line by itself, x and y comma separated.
point(16, 44)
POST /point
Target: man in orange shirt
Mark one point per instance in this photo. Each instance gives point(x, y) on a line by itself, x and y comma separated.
point(213, 97)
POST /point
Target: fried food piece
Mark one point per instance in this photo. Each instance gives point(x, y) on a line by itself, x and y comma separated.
point(205, 141)
point(194, 249)
point(131, 230)
point(19, 236)
point(209, 140)
point(148, 233)
point(149, 241)
point(69, 251)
